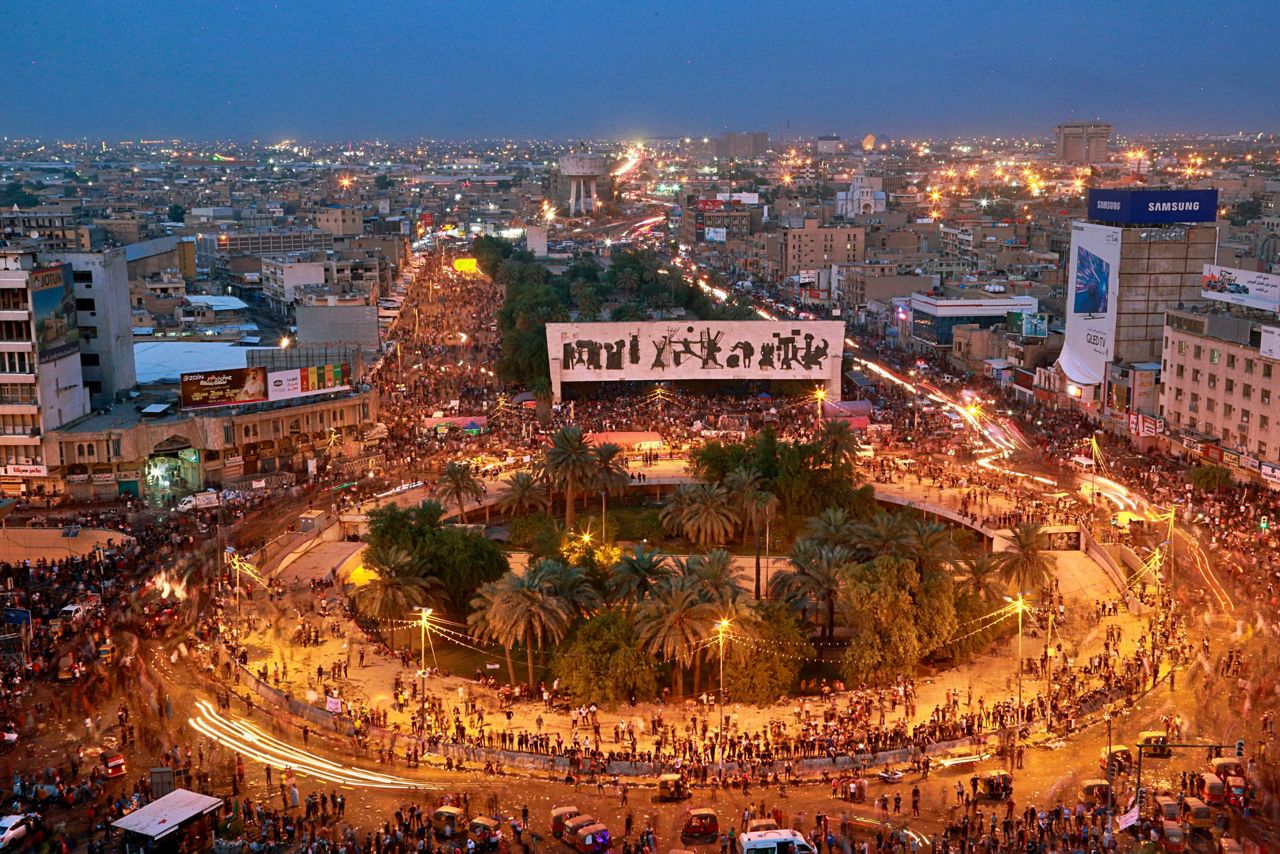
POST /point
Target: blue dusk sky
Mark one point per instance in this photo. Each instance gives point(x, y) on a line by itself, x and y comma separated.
point(405, 68)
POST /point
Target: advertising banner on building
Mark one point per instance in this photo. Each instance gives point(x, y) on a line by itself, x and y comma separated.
point(224, 388)
point(1153, 207)
point(661, 351)
point(1270, 472)
point(1093, 279)
point(53, 300)
point(1241, 287)
point(1270, 347)
point(255, 385)
point(715, 235)
point(1027, 324)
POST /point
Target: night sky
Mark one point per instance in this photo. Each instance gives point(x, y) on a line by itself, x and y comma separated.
point(405, 69)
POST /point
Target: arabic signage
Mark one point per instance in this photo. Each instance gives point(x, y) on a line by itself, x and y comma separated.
point(1270, 472)
point(253, 385)
point(1145, 426)
point(661, 351)
point(1241, 287)
point(26, 471)
point(1153, 207)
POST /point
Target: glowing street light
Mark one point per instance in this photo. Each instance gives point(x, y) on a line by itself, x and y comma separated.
point(424, 614)
point(722, 629)
point(820, 396)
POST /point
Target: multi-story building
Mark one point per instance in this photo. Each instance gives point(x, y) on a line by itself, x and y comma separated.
point(103, 315)
point(339, 221)
point(1082, 142)
point(813, 245)
point(934, 318)
point(742, 146)
point(982, 246)
point(1221, 386)
point(258, 243)
point(718, 221)
point(41, 381)
point(45, 228)
point(282, 275)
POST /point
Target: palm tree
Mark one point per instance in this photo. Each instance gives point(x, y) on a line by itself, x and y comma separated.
point(883, 534)
point(714, 576)
point(820, 575)
point(482, 622)
point(389, 598)
point(611, 477)
point(525, 494)
point(677, 505)
point(523, 609)
point(458, 484)
point(930, 545)
point(571, 585)
point(832, 527)
point(760, 511)
point(838, 443)
point(672, 623)
point(1024, 563)
point(570, 464)
point(710, 517)
point(637, 573)
point(742, 484)
point(1209, 478)
point(979, 577)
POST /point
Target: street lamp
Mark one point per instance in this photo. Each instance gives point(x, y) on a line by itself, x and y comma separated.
point(423, 614)
point(722, 629)
point(819, 395)
point(1111, 829)
point(1019, 606)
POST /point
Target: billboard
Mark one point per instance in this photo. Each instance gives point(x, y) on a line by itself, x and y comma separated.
point(1093, 279)
point(715, 235)
point(659, 351)
point(1270, 347)
point(53, 303)
point(1027, 324)
point(237, 386)
point(1241, 287)
point(1153, 207)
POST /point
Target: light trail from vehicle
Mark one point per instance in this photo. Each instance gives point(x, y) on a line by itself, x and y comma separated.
point(248, 740)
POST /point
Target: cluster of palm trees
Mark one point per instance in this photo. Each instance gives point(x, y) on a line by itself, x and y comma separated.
point(674, 604)
point(571, 465)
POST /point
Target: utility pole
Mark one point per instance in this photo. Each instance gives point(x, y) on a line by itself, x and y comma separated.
point(722, 628)
point(1048, 679)
point(1111, 819)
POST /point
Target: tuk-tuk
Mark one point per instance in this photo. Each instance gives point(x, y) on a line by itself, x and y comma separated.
point(113, 764)
point(1172, 838)
point(1167, 808)
point(1199, 817)
point(672, 787)
point(486, 832)
point(445, 821)
point(1094, 792)
point(700, 826)
point(758, 824)
point(1215, 791)
point(1120, 759)
point(592, 839)
point(1236, 792)
point(571, 827)
point(559, 816)
point(997, 786)
point(1155, 744)
point(1226, 767)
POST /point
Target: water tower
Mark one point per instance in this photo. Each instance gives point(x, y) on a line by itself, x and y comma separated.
point(581, 171)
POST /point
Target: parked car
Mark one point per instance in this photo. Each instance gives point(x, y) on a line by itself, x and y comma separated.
point(16, 827)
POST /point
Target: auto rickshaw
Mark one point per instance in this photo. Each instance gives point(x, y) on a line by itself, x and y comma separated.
point(486, 832)
point(1094, 792)
point(445, 821)
point(1172, 837)
point(1167, 808)
point(573, 825)
point(700, 827)
point(758, 824)
point(113, 763)
point(559, 816)
point(1237, 793)
point(592, 839)
point(1227, 766)
point(1198, 814)
point(997, 786)
point(1120, 759)
point(1214, 791)
point(1155, 744)
point(672, 787)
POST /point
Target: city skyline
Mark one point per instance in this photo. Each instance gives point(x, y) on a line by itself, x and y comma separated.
point(649, 69)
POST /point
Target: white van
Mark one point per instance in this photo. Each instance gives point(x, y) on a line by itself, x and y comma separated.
point(774, 842)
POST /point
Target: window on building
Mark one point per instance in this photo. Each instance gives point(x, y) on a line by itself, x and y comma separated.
point(1244, 416)
point(115, 446)
point(86, 304)
point(1262, 450)
point(1227, 409)
point(1214, 355)
point(1182, 348)
point(228, 434)
point(1266, 370)
point(1246, 391)
point(82, 277)
point(1195, 375)
point(1248, 366)
point(1213, 380)
point(1265, 395)
point(1264, 421)
point(1198, 352)
point(89, 360)
point(1231, 385)
point(1178, 372)
point(1210, 405)
point(1177, 394)
point(1231, 360)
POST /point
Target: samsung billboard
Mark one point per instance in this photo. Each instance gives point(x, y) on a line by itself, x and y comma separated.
point(1153, 207)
